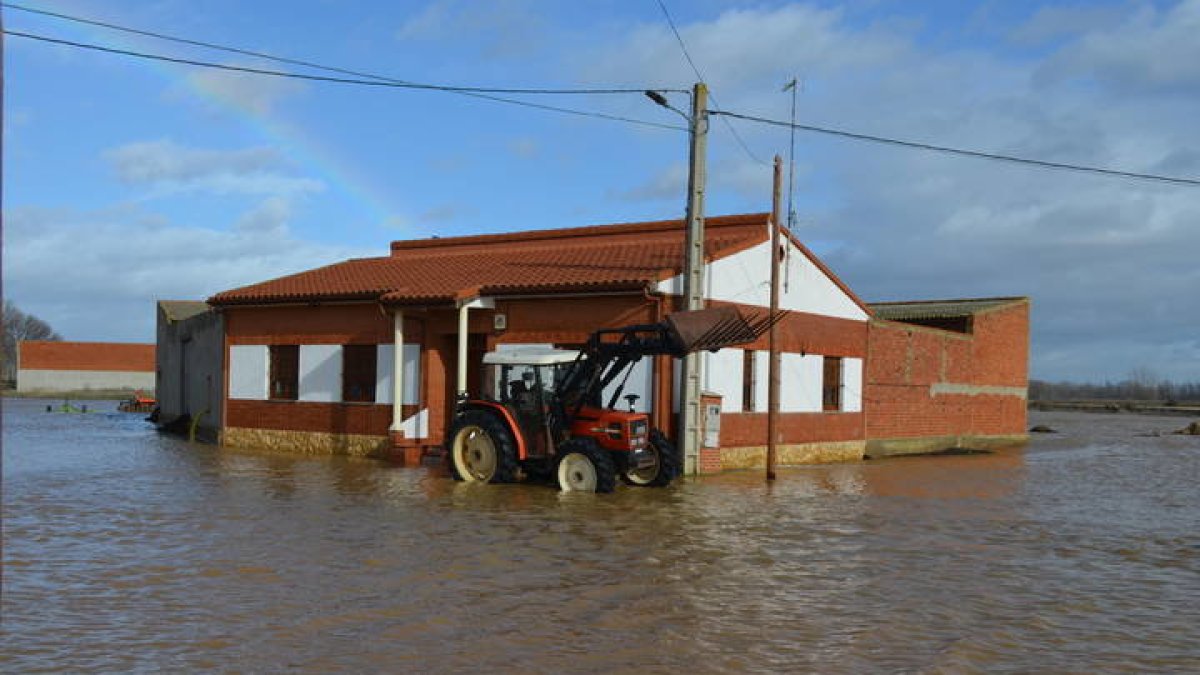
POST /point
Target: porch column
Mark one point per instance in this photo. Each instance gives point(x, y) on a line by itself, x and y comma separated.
point(398, 370)
point(464, 333)
point(460, 383)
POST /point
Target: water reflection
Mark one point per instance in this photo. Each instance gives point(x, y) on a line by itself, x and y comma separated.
point(124, 550)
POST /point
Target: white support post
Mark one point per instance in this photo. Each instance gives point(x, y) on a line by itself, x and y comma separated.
point(398, 371)
point(460, 386)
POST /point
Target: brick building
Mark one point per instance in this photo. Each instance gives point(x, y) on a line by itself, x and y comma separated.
point(57, 366)
point(316, 361)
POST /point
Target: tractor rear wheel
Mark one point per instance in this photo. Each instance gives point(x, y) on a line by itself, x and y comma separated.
point(584, 467)
point(482, 449)
point(665, 468)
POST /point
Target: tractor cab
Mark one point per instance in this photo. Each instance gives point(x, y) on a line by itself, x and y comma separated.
point(524, 381)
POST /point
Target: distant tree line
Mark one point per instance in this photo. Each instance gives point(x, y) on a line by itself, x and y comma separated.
point(19, 326)
point(1133, 388)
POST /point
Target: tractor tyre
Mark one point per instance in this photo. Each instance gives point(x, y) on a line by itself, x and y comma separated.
point(584, 467)
point(664, 471)
point(482, 449)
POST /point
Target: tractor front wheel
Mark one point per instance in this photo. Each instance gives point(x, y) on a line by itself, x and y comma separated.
point(665, 468)
point(584, 467)
point(482, 449)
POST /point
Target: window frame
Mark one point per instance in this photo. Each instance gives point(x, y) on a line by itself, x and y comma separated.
point(283, 373)
point(359, 369)
point(831, 393)
point(749, 380)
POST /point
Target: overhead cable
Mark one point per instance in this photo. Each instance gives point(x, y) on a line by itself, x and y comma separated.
point(335, 69)
point(699, 76)
point(479, 92)
point(959, 151)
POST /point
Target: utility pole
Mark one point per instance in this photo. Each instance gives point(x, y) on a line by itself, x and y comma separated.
point(773, 346)
point(693, 277)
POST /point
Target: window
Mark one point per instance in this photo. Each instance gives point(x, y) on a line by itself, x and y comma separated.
point(358, 373)
point(749, 377)
point(285, 372)
point(831, 388)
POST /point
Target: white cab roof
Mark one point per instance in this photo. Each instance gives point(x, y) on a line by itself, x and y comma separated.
point(531, 356)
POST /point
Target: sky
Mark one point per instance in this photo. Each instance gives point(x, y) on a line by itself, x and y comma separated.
point(127, 180)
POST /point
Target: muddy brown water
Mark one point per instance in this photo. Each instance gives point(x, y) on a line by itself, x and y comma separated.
point(128, 551)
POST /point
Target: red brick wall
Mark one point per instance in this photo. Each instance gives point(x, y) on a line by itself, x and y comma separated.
point(548, 320)
point(336, 418)
point(99, 356)
point(906, 365)
point(750, 429)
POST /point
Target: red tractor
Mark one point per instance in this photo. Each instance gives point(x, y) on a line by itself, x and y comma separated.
point(542, 411)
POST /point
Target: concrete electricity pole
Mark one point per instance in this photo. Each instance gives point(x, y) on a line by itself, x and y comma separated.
point(693, 277)
point(690, 433)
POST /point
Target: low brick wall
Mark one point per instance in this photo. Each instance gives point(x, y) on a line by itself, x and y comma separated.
point(927, 445)
point(307, 442)
point(791, 454)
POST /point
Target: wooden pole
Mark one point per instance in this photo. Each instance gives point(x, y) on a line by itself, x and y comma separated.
point(773, 358)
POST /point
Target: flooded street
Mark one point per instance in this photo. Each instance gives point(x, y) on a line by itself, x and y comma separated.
point(129, 551)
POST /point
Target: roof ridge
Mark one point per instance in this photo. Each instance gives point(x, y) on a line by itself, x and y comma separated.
point(1007, 298)
point(556, 234)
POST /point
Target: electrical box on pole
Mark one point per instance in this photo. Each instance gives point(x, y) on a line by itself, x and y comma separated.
point(693, 277)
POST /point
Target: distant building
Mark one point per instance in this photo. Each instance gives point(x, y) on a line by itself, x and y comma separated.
point(189, 372)
point(361, 357)
point(56, 366)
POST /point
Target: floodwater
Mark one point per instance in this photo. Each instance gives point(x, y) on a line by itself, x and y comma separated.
point(128, 551)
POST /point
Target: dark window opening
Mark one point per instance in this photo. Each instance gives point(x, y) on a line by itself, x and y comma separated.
point(957, 324)
point(285, 372)
point(749, 380)
point(358, 373)
point(831, 387)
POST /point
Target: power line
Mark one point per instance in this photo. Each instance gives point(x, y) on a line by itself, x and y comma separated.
point(334, 69)
point(478, 92)
point(700, 77)
point(961, 152)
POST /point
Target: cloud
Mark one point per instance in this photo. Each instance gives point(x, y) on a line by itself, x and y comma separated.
point(497, 29)
point(1149, 51)
point(169, 168)
point(669, 183)
point(1110, 264)
point(124, 259)
point(247, 92)
point(269, 217)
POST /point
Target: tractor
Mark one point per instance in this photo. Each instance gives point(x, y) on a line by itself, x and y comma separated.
point(542, 411)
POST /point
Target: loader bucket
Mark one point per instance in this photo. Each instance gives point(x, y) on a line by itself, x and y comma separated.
point(714, 328)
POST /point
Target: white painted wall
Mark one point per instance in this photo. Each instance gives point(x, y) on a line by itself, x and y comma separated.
point(641, 382)
point(723, 375)
point(762, 379)
point(321, 373)
point(412, 374)
point(73, 380)
point(852, 384)
point(745, 278)
point(416, 426)
point(800, 382)
point(248, 372)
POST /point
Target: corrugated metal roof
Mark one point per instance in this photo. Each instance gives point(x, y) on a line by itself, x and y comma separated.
point(612, 257)
point(936, 309)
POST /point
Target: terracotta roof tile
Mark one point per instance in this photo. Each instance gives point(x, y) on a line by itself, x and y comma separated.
point(430, 271)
